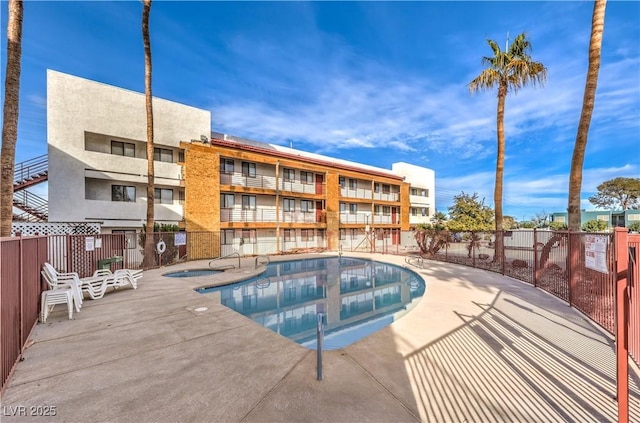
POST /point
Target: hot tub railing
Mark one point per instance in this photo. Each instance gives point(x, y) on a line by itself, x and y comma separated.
point(234, 254)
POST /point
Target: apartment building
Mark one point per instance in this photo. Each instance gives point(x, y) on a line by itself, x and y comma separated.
point(262, 198)
point(422, 200)
point(98, 153)
point(289, 198)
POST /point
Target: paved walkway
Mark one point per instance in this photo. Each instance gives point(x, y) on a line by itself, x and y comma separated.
point(479, 347)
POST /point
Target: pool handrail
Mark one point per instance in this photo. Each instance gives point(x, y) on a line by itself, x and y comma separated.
point(418, 259)
point(264, 257)
point(234, 254)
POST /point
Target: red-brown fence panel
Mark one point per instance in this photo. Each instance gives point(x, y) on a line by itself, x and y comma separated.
point(21, 260)
point(633, 241)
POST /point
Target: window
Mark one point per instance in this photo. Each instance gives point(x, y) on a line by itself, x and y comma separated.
point(425, 192)
point(226, 165)
point(353, 184)
point(289, 235)
point(249, 236)
point(386, 210)
point(342, 182)
point(414, 211)
point(288, 174)
point(353, 208)
point(343, 234)
point(162, 196)
point(306, 206)
point(248, 202)
point(306, 177)
point(181, 197)
point(307, 234)
point(376, 187)
point(386, 189)
point(181, 155)
point(227, 201)
point(123, 148)
point(249, 169)
point(343, 207)
point(227, 237)
point(289, 204)
point(163, 155)
point(123, 193)
point(376, 210)
point(425, 211)
point(414, 191)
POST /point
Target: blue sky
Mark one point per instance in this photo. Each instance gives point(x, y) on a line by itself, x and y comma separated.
point(373, 82)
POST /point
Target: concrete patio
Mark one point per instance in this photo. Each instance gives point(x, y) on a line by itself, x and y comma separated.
point(478, 347)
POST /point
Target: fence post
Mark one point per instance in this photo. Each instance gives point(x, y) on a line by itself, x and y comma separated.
point(503, 253)
point(535, 257)
point(622, 316)
point(572, 264)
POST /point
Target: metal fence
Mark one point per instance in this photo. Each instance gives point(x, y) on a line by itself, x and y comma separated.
point(557, 262)
point(20, 262)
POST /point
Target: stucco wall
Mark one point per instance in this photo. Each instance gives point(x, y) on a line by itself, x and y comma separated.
point(76, 106)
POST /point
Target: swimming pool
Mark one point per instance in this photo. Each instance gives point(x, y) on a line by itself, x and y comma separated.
point(190, 273)
point(358, 297)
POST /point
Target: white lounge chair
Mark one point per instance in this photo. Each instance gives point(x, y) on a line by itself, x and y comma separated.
point(96, 287)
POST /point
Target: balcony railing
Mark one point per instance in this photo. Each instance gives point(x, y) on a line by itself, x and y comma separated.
point(355, 193)
point(269, 182)
point(269, 215)
point(386, 196)
point(239, 179)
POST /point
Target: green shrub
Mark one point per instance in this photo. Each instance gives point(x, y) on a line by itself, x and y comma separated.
point(634, 227)
point(558, 226)
point(594, 225)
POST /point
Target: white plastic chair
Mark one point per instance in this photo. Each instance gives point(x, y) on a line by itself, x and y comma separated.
point(50, 298)
point(57, 280)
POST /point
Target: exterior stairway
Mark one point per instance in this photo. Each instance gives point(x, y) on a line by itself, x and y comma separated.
point(27, 174)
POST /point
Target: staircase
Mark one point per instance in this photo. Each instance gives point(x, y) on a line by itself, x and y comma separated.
point(30, 172)
point(35, 208)
point(27, 174)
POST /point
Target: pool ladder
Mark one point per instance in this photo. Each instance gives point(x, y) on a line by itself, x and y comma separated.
point(263, 261)
point(415, 261)
point(231, 266)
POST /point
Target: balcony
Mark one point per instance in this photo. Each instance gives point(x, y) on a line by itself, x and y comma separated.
point(270, 182)
point(355, 193)
point(269, 215)
point(242, 180)
point(386, 196)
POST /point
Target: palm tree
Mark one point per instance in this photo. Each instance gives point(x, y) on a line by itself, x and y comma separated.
point(588, 102)
point(509, 70)
point(10, 114)
point(149, 253)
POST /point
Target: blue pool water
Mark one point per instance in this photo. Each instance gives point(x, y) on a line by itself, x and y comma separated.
point(357, 296)
point(190, 273)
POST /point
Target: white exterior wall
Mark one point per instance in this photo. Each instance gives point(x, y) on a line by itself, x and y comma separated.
point(76, 106)
point(420, 178)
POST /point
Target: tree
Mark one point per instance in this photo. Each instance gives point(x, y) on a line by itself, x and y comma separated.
point(509, 222)
point(470, 214)
point(621, 193)
point(149, 247)
point(594, 225)
point(432, 237)
point(588, 102)
point(541, 219)
point(527, 224)
point(508, 70)
point(10, 114)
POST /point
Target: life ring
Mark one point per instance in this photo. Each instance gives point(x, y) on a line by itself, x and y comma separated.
point(161, 247)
